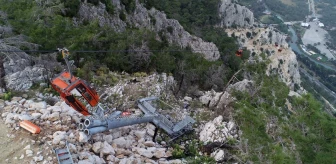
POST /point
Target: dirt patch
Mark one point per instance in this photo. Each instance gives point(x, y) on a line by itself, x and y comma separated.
point(12, 144)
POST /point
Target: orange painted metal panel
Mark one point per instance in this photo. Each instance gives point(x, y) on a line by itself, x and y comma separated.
point(30, 127)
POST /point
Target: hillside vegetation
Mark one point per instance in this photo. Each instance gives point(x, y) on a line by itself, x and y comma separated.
point(276, 133)
point(271, 130)
point(51, 26)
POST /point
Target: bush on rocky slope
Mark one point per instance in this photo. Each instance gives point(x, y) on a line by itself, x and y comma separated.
point(274, 131)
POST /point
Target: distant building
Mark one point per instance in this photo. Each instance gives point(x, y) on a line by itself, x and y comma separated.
point(267, 12)
point(307, 25)
point(312, 52)
point(321, 24)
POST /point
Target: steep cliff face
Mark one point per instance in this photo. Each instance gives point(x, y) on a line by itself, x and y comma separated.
point(233, 14)
point(260, 40)
point(149, 19)
point(23, 70)
point(89, 12)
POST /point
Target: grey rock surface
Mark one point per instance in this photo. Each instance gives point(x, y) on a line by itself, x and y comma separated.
point(234, 14)
point(143, 18)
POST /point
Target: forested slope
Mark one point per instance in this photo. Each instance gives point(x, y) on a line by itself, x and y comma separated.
point(54, 24)
point(273, 127)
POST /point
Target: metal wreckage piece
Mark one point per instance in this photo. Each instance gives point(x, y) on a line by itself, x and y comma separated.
point(78, 94)
point(98, 123)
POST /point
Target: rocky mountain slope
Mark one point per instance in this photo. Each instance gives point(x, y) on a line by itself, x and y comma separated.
point(233, 14)
point(131, 144)
point(261, 40)
point(252, 119)
point(151, 19)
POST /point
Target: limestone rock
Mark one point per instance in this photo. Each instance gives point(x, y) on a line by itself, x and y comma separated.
point(110, 158)
point(218, 155)
point(58, 136)
point(38, 105)
point(145, 152)
point(36, 115)
point(82, 137)
point(72, 147)
point(29, 153)
point(54, 116)
point(210, 98)
point(120, 142)
point(10, 118)
point(25, 117)
point(108, 138)
point(150, 132)
point(96, 147)
point(218, 131)
point(27, 147)
point(84, 162)
point(21, 157)
point(160, 153)
point(186, 98)
point(234, 14)
point(140, 134)
point(149, 143)
point(107, 149)
point(38, 158)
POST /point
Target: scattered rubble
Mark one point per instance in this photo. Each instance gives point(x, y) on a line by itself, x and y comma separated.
point(130, 144)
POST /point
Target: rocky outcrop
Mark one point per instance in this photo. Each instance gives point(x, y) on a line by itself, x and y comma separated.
point(270, 42)
point(23, 80)
point(23, 70)
point(232, 14)
point(88, 12)
point(174, 32)
point(149, 19)
point(5, 30)
point(214, 99)
point(217, 132)
point(22, 73)
point(131, 144)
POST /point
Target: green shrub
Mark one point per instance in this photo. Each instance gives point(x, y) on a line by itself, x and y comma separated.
point(178, 152)
point(95, 2)
point(72, 7)
point(7, 96)
point(129, 5)
point(109, 6)
point(122, 16)
point(170, 29)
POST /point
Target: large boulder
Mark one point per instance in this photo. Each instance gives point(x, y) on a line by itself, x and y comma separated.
point(122, 142)
point(58, 136)
point(218, 131)
point(107, 149)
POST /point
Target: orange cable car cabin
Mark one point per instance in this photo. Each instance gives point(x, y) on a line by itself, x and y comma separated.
point(239, 53)
point(68, 86)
